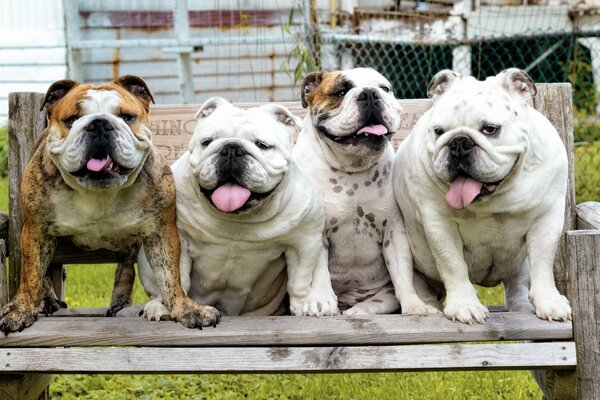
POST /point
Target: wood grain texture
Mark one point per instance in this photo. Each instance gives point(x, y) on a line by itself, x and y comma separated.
point(291, 359)
point(23, 387)
point(588, 215)
point(25, 124)
point(554, 100)
point(284, 330)
point(172, 125)
point(584, 261)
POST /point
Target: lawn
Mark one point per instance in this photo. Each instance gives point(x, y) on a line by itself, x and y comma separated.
point(90, 286)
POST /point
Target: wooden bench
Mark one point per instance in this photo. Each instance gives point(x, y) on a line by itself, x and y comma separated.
point(566, 355)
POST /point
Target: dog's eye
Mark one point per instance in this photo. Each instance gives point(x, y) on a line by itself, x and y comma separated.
point(340, 93)
point(206, 142)
point(489, 129)
point(386, 89)
point(127, 118)
point(262, 145)
point(69, 121)
point(438, 131)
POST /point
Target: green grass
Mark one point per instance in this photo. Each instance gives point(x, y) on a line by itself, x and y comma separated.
point(90, 286)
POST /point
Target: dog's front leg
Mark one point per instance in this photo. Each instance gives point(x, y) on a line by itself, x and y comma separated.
point(37, 250)
point(163, 251)
point(542, 243)
point(124, 280)
point(446, 246)
point(321, 299)
point(399, 262)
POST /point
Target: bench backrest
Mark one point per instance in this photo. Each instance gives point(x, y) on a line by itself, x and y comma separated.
point(172, 126)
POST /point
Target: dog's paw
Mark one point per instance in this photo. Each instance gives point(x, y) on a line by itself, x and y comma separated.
point(155, 310)
point(418, 308)
point(17, 315)
point(117, 305)
point(359, 309)
point(551, 305)
point(51, 304)
point(193, 315)
point(466, 311)
point(319, 305)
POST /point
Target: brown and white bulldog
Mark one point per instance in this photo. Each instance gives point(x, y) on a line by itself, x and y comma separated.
point(95, 178)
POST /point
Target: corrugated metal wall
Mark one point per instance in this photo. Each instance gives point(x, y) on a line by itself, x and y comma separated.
point(32, 47)
point(246, 72)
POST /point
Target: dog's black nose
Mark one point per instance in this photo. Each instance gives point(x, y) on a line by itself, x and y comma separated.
point(460, 146)
point(99, 126)
point(369, 95)
point(232, 150)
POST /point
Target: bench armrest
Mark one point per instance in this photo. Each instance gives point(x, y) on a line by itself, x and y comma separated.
point(588, 215)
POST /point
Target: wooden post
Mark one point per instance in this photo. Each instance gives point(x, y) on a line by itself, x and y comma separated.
point(3, 249)
point(72, 27)
point(184, 55)
point(584, 262)
point(555, 101)
point(25, 124)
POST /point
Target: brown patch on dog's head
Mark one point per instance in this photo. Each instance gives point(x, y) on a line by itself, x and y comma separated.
point(64, 100)
point(324, 91)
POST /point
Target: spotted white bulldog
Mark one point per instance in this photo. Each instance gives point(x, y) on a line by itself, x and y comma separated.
point(481, 182)
point(345, 147)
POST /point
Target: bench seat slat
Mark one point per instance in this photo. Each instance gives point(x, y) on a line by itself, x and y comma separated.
point(284, 331)
point(290, 359)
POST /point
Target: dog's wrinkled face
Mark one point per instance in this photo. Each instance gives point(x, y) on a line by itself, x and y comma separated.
point(98, 135)
point(355, 111)
point(477, 132)
point(239, 157)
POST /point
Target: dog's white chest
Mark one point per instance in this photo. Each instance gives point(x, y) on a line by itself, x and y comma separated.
point(95, 221)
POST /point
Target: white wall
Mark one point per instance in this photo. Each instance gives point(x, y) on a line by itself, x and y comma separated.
point(32, 47)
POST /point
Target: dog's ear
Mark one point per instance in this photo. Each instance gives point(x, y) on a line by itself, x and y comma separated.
point(310, 83)
point(136, 86)
point(440, 83)
point(518, 81)
point(57, 91)
point(210, 106)
point(283, 115)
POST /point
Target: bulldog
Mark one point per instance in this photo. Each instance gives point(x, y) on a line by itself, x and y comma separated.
point(95, 179)
point(481, 182)
point(251, 225)
point(345, 147)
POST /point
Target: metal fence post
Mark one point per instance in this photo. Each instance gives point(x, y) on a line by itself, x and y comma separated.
point(72, 28)
point(184, 53)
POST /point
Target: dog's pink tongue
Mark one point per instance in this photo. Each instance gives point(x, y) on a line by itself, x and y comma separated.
point(374, 130)
point(230, 197)
point(98, 165)
point(462, 192)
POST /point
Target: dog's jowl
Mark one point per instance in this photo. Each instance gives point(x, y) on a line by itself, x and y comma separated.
point(95, 179)
point(345, 148)
point(481, 182)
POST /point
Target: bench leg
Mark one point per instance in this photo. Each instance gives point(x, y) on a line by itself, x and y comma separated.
point(583, 248)
point(25, 387)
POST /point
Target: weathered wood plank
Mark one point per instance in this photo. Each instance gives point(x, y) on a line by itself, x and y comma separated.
point(588, 215)
point(584, 262)
point(23, 387)
point(25, 124)
point(172, 125)
point(284, 330)
point(290, 359)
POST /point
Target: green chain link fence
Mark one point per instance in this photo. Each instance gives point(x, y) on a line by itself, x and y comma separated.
point(409, 42)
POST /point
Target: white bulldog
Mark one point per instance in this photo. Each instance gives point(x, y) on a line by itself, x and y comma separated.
point(250, 223)
point(481, 182)
point(345, 147)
